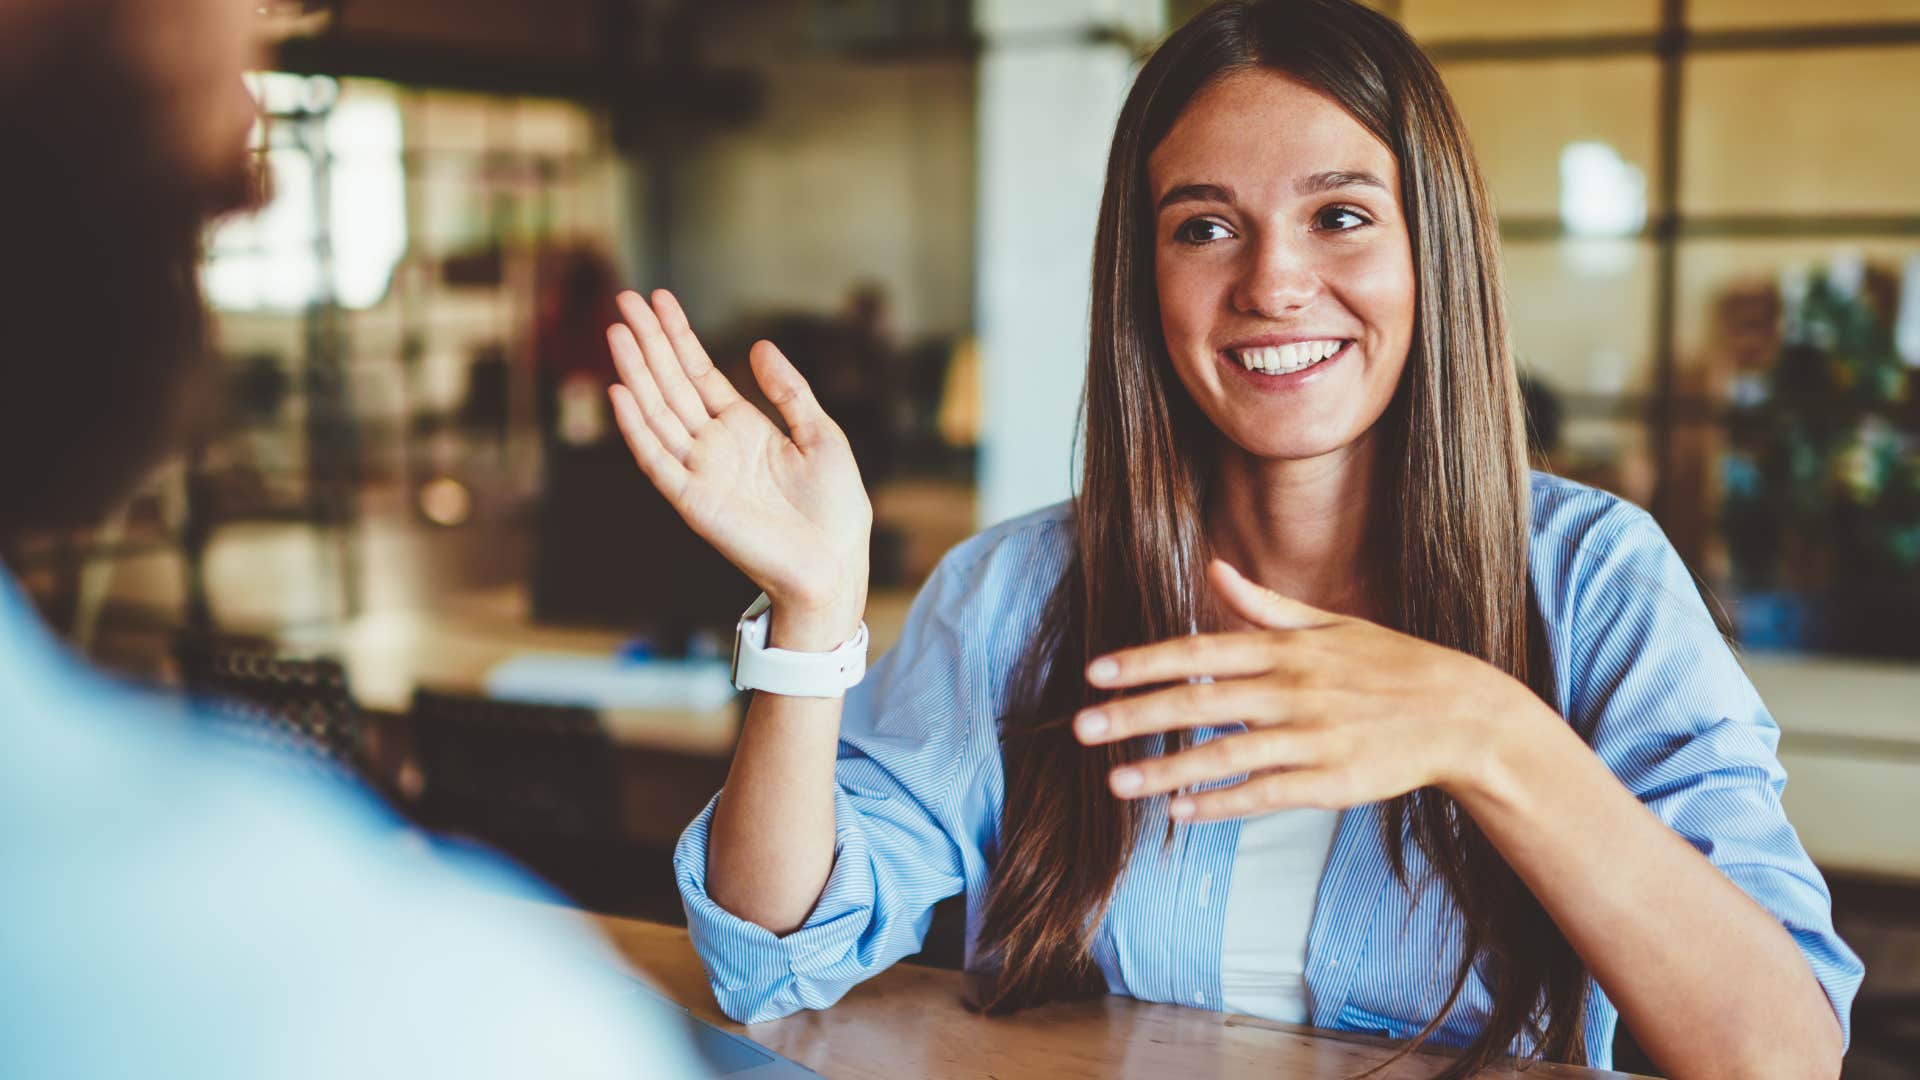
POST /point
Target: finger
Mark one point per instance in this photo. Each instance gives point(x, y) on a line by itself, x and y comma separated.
point(716, 393)
point(1262, 606)
point(1232, 755)
point(1185, 706)
point(668, 375)
point(638, 381)
point(807, 423)
point(1218, 655)
point(1263, 794)
point(654, 459)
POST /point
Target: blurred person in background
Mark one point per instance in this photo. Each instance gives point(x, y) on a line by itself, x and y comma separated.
point(175, 907)
point(865, 383)
point(1459, 756)
point(1545, 416)
point(573, 304)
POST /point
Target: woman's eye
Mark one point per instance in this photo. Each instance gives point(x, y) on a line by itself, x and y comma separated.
point(1341, 219)
point(1200, 231)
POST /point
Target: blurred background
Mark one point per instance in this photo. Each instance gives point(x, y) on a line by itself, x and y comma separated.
point(408, 543)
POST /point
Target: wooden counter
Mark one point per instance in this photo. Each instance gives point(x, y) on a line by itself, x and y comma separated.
point(909, 1022)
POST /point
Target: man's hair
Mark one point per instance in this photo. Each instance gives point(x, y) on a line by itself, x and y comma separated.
point(102, 326)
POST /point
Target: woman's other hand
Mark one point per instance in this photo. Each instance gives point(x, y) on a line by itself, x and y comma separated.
point(788, 509)
point(1339, 711)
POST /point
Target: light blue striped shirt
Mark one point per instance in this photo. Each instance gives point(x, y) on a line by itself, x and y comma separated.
point(1641, 672)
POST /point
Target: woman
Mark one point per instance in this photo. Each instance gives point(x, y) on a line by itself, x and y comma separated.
point(1414, 797)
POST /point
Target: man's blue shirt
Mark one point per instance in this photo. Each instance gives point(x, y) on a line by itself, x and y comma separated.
point(179, 907)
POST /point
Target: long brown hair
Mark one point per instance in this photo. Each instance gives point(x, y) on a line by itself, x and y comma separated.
point(1452, 500)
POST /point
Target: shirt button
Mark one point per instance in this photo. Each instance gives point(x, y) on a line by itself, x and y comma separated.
point(1333, 963)
point(1199, 997)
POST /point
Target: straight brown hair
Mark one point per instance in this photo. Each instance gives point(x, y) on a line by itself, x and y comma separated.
point(1451, 497)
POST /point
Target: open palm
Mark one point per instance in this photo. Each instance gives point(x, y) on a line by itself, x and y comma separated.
point(788, 508)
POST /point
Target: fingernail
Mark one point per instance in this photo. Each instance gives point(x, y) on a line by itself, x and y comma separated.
point(1102, 670)
point(1127, 781)
point(1180, 808)
point(1091, 724)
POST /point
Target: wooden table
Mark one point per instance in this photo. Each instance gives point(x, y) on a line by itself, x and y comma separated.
point(909, 1022)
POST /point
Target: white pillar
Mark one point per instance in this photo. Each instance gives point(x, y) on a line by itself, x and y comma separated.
point(1052, 79)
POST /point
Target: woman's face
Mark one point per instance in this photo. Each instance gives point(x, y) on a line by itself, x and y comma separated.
point(1283, 264)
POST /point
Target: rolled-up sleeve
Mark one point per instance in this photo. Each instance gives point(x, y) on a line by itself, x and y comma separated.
point(1658, 693)
point(916, 785)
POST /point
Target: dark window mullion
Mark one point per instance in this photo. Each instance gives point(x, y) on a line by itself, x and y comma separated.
point(1612, 45)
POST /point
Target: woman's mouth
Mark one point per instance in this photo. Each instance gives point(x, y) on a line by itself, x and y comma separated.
point(1278, 366)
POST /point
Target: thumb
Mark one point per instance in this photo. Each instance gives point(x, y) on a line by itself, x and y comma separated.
point(1262, 606)
point(787, 389)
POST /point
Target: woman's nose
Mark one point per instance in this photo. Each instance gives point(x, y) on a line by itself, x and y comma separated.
point(1277, 279)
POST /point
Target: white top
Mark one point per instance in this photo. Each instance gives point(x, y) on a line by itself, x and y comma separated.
point(1276, 875)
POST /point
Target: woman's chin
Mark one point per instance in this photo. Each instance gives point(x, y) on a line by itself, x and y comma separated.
point(1267, 449)
point(1267, 437)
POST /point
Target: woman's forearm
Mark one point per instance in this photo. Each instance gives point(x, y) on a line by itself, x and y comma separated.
point(1708, 981)
point(770, 847)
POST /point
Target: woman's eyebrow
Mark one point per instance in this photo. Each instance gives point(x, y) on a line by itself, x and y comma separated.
point(1334, 179)
point(1315, 184)
point(1180, 193)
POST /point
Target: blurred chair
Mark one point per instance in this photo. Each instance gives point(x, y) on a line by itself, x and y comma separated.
point(539, 782)
point(491, 766)
point(1886, 1025)
point(298, 708)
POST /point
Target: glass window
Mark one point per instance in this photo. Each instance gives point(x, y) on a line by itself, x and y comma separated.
point(1431, 20)
point(444, 121)
point(1722, 14)
point(1610, 453)
point(1806, 131)
point(1590, 103)
point(558, 128)
point(272, 259)
point(1582, 313)
point(454, 207)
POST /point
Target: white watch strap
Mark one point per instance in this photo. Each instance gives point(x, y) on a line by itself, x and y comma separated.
point(787, 672)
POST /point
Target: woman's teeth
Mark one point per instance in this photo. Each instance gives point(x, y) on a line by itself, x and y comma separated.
point(1286, 359)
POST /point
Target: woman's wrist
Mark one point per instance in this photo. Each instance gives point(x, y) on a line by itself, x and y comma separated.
point(1500, 747)
point(816, 626)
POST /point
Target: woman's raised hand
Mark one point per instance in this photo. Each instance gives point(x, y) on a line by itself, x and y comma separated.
point(788, 509)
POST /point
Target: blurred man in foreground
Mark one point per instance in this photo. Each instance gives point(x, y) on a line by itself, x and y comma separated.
point(173, 908)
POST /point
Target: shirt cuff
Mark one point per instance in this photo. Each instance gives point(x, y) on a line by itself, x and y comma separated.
point(759, 975)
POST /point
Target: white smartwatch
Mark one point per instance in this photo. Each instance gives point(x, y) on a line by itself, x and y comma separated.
point(790, 673)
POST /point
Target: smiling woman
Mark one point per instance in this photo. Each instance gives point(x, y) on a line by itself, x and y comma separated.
point(1256, 193)
point(1314, 703)
point(1286, 290)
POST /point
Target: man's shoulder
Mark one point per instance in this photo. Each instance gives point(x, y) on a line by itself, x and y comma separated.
point(209, 899)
